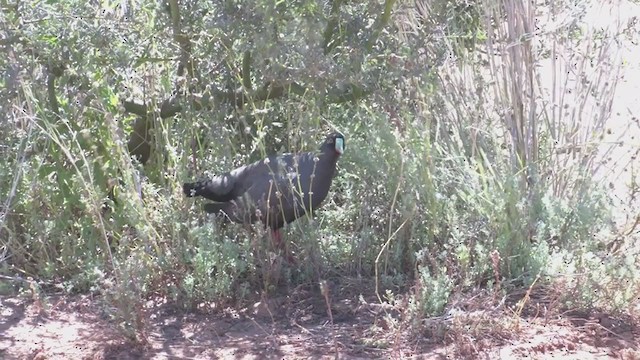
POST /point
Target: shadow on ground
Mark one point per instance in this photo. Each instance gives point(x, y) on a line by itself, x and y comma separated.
point(298, 326)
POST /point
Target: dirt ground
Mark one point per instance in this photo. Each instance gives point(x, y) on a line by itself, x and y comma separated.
point(299, 327)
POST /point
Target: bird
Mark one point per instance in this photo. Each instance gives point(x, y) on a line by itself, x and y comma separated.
point(276, 190)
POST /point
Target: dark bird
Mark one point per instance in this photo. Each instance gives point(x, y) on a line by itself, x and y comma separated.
point(276, 190)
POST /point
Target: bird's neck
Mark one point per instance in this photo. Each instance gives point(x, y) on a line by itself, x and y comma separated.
point(327, 161)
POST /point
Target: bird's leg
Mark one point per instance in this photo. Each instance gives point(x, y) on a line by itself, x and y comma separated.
point(277, 238)
point(278, 243)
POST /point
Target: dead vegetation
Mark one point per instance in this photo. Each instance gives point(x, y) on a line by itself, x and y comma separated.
point(520, 324)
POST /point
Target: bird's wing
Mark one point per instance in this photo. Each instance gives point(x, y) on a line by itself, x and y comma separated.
point(233, 184)
point(264, 189)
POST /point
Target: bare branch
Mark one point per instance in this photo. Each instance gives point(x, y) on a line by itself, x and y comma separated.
point(340, 94)
point(246, 70)
point(186, 61)
point(381, 22)
point(51, 93)
point(139, 144)
point(334, 17)
point(138, 109)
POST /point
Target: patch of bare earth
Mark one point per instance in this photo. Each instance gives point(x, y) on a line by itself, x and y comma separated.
point(299, 326)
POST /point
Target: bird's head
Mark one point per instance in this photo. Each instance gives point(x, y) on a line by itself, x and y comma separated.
point(334, 142)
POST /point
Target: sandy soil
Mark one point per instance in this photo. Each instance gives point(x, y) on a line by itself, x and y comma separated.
point(299, 327)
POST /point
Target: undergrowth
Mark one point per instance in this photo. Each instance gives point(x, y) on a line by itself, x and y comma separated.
point(461, 172)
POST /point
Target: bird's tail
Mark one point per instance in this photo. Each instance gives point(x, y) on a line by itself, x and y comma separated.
point(198, 188)
point(201, 188)
point(219, 189)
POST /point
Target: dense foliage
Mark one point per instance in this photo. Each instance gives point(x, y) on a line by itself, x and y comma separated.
point(460, 170)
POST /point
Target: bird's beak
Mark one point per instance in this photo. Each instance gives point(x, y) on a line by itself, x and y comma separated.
point(340, 145)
